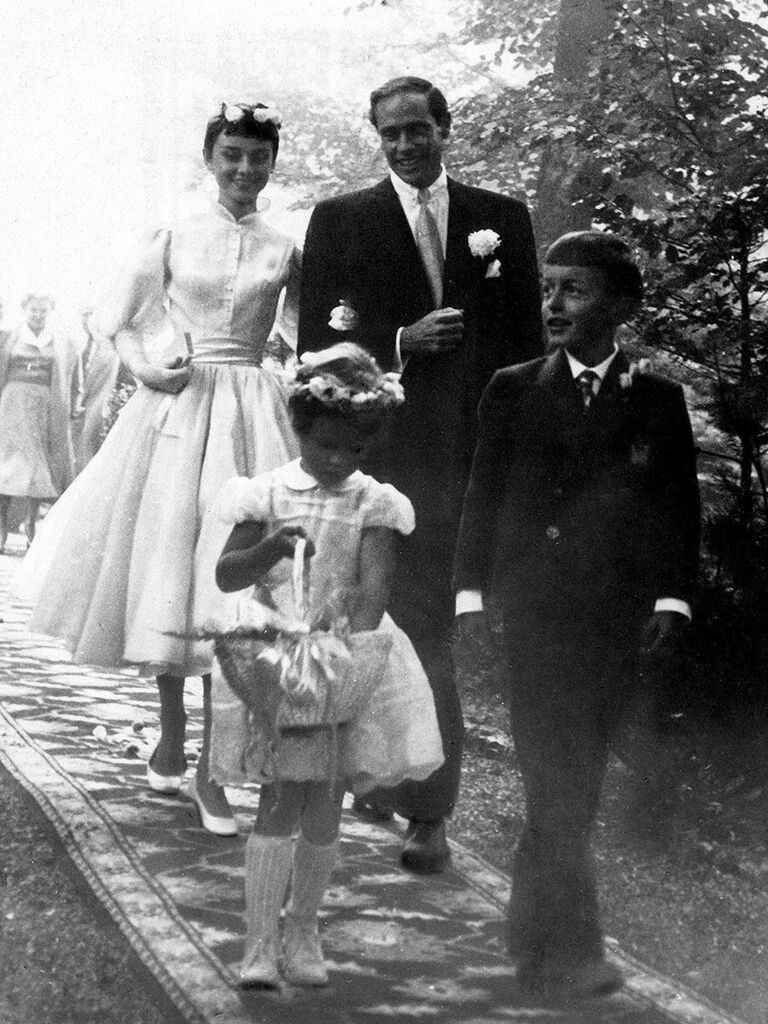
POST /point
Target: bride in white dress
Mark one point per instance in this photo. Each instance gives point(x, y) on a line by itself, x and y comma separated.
point(117, 570)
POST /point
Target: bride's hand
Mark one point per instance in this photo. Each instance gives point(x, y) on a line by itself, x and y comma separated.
point(172, 377)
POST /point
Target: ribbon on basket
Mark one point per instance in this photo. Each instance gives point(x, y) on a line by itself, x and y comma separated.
point(292, 675)
point(309, 659)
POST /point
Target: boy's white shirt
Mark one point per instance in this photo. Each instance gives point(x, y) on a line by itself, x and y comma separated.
point(472, 600)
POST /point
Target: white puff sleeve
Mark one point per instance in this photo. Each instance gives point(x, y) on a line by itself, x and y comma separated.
point(386, 506)
point(137, 298)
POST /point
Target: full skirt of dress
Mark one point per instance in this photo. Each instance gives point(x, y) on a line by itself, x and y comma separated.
point(395, 736)
point(117, 569)
point(25, 454)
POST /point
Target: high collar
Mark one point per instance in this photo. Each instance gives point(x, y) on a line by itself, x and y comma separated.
point(298, 479)
point(224, 214)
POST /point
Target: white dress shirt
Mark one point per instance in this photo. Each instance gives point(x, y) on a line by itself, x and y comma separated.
point(472, 600)
point(438, 207)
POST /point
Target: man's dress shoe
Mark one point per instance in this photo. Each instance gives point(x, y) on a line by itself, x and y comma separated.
point(565, 983)
point(370, 811)
point(425, 848)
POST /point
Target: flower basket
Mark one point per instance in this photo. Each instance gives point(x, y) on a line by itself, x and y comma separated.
point(301, 677)
point(342, 676)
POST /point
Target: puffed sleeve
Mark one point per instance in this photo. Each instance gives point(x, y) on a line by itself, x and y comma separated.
point(244, 499)
point(386, 506)
point(137, 296)
point(286, 326)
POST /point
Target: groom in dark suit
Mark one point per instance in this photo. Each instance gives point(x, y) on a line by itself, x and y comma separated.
point(582, 519)
point(439, 280)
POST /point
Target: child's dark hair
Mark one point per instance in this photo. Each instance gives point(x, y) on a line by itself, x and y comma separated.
point(251, 121)
point(602, 251)
point(343, 380)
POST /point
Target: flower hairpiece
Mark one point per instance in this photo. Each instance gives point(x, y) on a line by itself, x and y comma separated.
point(234, 112)
point(331, 392)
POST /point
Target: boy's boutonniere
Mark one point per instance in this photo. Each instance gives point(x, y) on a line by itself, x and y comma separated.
point(484, 243)
point(343, 317)
point(640, 368)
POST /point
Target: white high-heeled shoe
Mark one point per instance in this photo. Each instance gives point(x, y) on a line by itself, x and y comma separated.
point(219, 825)
point(168, 784)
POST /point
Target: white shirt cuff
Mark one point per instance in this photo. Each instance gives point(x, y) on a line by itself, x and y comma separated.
point(468, 601)
point(673, 604)
point(398, 364)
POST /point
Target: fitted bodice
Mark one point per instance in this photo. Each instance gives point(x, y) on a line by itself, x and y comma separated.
point(220, 280)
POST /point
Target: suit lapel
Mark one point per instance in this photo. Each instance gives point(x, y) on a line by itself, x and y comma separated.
point(458, 259)
point(395, 238)
point(564, 405)
point(608, 414)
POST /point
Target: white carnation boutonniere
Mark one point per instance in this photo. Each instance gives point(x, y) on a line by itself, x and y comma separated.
point(483, 244)
point(638, 369)
point(344, 317)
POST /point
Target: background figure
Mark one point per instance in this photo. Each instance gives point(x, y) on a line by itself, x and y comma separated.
point(582, 518)
point(424, 293)
point(39, 394)
point(101, 365)
point(119, 570)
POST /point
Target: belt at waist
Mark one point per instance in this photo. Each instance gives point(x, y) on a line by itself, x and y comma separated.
point(234, 351)
point(29, 371)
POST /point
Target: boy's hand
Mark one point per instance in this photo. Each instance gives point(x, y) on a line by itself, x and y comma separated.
point(472, 629)
point(282, 543)
point(661, 633)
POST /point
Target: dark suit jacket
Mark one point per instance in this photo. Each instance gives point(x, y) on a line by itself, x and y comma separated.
point(359, 247)
point(579, 522)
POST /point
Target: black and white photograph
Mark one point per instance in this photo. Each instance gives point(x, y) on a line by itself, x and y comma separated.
point(384, 512)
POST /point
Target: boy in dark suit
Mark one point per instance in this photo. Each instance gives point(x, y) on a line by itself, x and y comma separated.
point(582, 520)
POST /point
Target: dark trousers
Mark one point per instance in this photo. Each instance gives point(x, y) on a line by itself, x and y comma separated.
point(422, 604)
point(563, 707)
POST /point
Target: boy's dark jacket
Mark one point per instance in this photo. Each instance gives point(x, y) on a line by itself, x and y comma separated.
point(578, 522)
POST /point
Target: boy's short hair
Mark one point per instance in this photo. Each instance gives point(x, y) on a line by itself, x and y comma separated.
point(603, 251)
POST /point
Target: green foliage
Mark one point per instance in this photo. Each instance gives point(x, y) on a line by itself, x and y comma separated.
point(662, 137)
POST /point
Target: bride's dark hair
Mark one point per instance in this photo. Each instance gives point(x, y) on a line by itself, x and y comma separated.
point(249, 124)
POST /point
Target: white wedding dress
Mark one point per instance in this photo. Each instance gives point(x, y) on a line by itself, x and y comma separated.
point(117, 569)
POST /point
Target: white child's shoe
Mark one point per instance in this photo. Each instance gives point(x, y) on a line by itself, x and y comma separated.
point(259, 967)
point(303, 961)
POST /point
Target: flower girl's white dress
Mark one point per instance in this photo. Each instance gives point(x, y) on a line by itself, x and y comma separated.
point(395, 736)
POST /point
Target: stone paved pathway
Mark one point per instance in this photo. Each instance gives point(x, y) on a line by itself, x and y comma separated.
point(401, 946)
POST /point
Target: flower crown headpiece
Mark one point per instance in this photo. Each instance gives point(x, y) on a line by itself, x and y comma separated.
point(234, 112)
point(327, 389)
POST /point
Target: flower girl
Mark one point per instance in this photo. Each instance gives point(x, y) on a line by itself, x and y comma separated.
point(345, 523)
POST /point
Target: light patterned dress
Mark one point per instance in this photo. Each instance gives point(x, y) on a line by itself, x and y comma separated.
point(395, 736)
point(117, 569)
point(39, 382)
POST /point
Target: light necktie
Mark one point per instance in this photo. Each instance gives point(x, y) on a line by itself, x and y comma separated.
point(430, 247)
point(587, 380)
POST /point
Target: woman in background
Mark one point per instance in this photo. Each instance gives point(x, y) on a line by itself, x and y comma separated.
point(39, 396)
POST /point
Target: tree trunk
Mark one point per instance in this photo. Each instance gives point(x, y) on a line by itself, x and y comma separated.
point(566, 176)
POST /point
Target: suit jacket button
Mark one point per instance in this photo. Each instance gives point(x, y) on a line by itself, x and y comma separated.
point(553, 532)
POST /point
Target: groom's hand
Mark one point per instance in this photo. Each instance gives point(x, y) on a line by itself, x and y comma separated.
point(438, 331)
